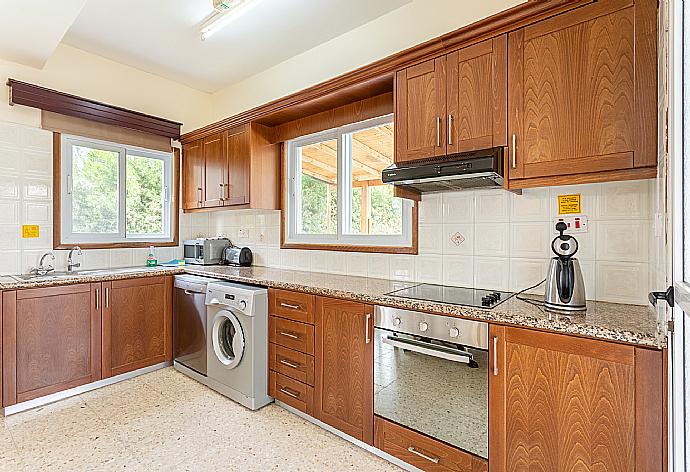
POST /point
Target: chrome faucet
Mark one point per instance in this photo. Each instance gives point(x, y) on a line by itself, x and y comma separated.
point(71, 265)
point(41, 269)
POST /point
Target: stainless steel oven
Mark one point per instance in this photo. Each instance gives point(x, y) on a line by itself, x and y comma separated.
point(431, 374)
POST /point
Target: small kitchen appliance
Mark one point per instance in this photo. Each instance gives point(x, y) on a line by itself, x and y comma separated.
point(237, 256)
point(205, 251)
point(565, 287)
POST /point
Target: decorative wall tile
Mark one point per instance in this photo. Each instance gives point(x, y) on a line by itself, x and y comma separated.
point(37, 213)
point(530, 240)
point(9, 212)
point(37, 189)
point(378, 266)
point(458, 238)
point(492, 206)
point(402, 267)
point(458, 207)
point(122, 258)
point(356, 264)
point(622, 282)
point(431, 209)
point(532, 205)
point(429, 270)
point(11, 160)
point(525, 273)
point(10, 237)
point(491, 273)
point(431, 239)
point(37, 163)
point(9, 186)
point(624, 200)
point(623, 241)
point(458, 271)
point(10, 262)
point(491, 239)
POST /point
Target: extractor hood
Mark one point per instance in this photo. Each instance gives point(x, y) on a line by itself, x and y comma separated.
point(474, 169)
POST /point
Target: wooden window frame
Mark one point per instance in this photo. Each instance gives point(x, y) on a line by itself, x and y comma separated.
point(342, 243)
point(57, 200)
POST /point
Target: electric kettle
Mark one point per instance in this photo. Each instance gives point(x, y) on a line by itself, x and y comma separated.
point(565, 287)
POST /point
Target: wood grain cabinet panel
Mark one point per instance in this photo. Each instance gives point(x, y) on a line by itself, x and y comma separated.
point(575, 98)
point(51, 340)
point(344, 358)
point(193, 168)
point(562, 403)
point(237, 145)
point(296, 306)
point(420, 111)
point(291, 334)
point(477, 96)
point(137, 324)
point(215, 170)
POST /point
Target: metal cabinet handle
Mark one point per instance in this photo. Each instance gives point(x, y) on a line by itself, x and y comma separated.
point(287, 305)
point(201, 196)
point(438, 131)
point(514, 148)
point(495, 355)
point(98, 295)
point(289, 335)
point(367, 338)
point(107, 297)
point(450, 130)
point(287, 392)
point(435, 460)
point(221, 194)
point(290, 364)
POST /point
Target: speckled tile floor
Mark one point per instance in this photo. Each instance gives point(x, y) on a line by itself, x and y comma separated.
point(166, 421)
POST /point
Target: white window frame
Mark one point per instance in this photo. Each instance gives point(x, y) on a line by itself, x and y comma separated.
point(121, 236)
point(344, 189)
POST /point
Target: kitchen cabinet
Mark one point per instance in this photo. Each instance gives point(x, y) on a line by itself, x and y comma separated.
point(559, 402)
point(51, 340)
point(237, 167)
point(193, 167)
point(137, 324)
point(454, 103)
point(582, 96)
point(344, 363)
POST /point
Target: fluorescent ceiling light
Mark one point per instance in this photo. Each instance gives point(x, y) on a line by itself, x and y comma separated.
point(231, 10)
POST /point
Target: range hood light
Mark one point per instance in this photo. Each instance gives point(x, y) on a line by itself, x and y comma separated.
point(230, 11)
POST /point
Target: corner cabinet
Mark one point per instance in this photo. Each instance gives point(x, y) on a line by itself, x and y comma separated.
point(51, 340)
point(137, 324)
point(452, 104)
point(344, 362)
point(238, 167)
point(559, 402)
point(582, 90)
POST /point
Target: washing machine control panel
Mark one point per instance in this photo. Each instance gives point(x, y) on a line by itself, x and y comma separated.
point(230, 300)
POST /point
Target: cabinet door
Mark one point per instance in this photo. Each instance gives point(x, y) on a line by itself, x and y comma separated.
point(344, 359)
point(477, 96)
point(420, 111)
point(51, 340)
point(582, 91)
point(216, 170)
point(239, 159)
point(563, 403)
point(137, 324)
point(192, 176)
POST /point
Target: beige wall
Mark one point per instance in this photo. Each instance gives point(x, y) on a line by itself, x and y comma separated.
point(407, 26)
point(74, 71)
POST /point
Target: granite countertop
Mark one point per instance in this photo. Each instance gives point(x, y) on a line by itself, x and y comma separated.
point(632, 324)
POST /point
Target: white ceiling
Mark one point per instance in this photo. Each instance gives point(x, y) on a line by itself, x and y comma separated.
point(31, 30)
point(162, 36)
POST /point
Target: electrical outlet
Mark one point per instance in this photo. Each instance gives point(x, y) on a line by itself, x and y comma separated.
point(243, 233)
point(575, 224)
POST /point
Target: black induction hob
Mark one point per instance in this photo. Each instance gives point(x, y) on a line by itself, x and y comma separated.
point(473, 297)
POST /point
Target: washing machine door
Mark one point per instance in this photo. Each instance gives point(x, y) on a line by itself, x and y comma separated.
point(228, 339)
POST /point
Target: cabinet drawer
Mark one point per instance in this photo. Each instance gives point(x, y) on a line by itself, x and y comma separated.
point(291, 392)
point(298, 336)
point(422, 451)
point(291, 363)
point(296, 306)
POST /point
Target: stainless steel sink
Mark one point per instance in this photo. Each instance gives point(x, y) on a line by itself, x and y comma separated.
point(77, 273)
point(49, 276)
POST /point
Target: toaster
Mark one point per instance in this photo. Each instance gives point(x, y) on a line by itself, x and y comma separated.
point(237, 256)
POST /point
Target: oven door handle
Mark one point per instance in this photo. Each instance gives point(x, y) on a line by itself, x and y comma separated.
point(428, 350)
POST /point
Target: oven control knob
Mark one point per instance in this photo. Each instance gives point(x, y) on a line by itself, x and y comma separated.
point(454, 332)
point(423, 326)
point(396, 321)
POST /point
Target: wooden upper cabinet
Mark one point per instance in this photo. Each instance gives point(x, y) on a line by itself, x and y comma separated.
point(582, 95)
point(564, 403)
point(420, 111)
point(344, 361)
point(238, 148)
point(51, 340)
point(137, 324)
point(477, 96)
point(216, 170)
point(192, 176)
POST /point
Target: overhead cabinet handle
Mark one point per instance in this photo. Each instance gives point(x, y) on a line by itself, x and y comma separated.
point(201, 197)
point(438, 131)
point(221, 195)
point(514, 151)
point(450, 130)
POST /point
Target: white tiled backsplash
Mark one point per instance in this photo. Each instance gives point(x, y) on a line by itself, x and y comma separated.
point(483, 238)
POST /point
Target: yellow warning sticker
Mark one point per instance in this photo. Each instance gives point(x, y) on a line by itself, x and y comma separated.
point(569, 204)
point(29, 231)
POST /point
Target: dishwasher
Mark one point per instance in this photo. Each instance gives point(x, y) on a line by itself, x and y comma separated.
point(189, 325)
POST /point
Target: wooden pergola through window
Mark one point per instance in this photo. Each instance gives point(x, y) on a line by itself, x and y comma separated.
point(372, 151)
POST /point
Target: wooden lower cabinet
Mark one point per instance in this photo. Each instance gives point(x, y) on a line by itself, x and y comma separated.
point(51, 340)
point(562, 403)
point(344, 361)
point(422, 451)
point(137, 324)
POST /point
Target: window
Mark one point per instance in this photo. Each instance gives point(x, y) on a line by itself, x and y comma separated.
point(111, 193)
point(335, 194)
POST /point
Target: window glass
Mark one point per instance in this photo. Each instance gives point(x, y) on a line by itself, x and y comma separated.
point(145, 195)
point(95, 177)
point(319, 187)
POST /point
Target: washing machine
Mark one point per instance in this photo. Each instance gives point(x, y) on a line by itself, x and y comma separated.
point(237, 350)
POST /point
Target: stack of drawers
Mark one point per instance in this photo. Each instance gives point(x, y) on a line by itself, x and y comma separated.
point(291, 348)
